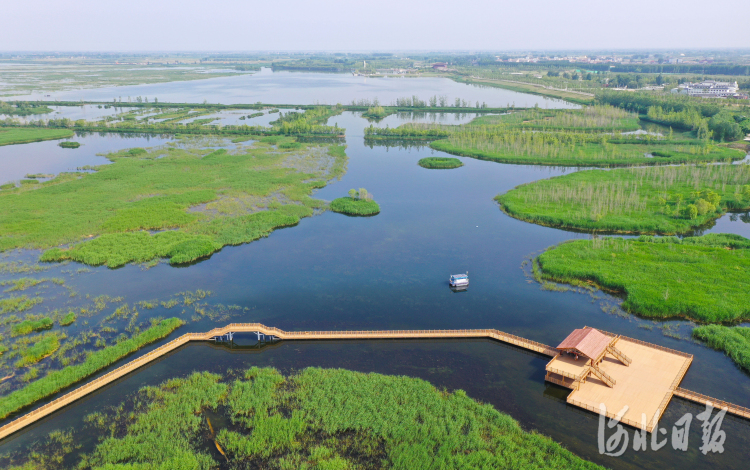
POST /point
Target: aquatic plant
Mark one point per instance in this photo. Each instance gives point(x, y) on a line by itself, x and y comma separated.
point(111, 210)
point(27, 326)
point(69, 145)
point(318, 418)
point(9, 136)
point(68, 319)
point(734, 341)
point(359, 202)
point(57, 380)
point(440, 162)
point(16, 304)
point(636, 269)
point(639, 200)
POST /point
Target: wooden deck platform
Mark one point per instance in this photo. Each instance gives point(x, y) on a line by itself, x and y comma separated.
point(646, 385)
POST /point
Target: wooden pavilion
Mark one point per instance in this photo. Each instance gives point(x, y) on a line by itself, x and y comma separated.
point(592, 363)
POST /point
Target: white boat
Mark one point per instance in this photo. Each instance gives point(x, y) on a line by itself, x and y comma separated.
point(459, 280)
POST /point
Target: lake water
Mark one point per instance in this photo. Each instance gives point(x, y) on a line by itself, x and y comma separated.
point(390, 272)
point(304, 88)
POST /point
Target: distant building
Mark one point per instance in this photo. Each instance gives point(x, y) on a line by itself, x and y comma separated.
point(439, 66)
point(709, 89)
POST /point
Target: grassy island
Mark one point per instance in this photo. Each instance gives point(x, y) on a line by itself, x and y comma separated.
point(734, 341)
point(358, 203)
point(572, 149)
point(25, 135)
point(69, 145)
point(661, 277)
point(440, 163)
point(664, 200)
point(377, 113)
point(600, 136)
point(196, 199)
point(316, 419)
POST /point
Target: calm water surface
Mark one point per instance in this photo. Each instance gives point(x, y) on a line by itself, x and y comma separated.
point(304, 88)
point(390, 271)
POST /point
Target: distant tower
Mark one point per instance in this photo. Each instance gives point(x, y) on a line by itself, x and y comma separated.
point(364, 64)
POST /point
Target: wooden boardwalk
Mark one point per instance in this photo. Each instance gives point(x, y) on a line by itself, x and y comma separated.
point(703, 400)
point(276, 333)
point(125, 369)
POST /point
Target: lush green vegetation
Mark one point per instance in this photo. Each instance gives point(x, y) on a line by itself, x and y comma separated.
point(590, 118)
point(707, 118)
point(666, 200)
point(359, 202)
point(440, 162)
point(27, 326)
point(565, 148)
point(377, 113)
point(592, 136)
point(22, 108)
point(57, 380)
point(734, 341)
point(317, 419)
point(661, 277)
point(408, 131)
point(69, 145)
point(141, 191)
point(310, 122)
point(16, 304)
point(9, 136)
point(42, 346)
point(68, 319)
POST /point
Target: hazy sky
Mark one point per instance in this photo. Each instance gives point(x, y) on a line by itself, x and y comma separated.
point(245, 25)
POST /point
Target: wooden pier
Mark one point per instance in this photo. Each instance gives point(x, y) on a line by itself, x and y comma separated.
point(276, 334)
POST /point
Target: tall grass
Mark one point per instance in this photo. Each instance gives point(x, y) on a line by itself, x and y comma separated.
point(440, 162)
point(57, 380)
point(112, 208)
point(11, 136)
point(734, 341)
point(319, 418)
point(638, 200)
point(661, 277)
point(352, 206)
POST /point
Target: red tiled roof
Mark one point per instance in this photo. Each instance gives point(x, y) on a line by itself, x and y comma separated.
point(588, 341)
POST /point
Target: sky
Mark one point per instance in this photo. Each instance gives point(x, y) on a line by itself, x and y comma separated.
point(387, 25)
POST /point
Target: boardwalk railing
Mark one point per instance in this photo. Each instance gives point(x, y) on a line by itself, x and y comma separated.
point(125, 369)
point(703, 399)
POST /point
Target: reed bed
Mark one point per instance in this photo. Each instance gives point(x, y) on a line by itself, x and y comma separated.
point(598, 117)
point(57, 380)
point(9, 136)
point(661, 277)
point(113, 210)
point(354, 206)
point(637, 200)
point(440, 163)
point(316, 418)
point(733, 341)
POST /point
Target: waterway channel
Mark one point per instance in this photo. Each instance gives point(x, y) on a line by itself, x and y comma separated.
point(390, 272)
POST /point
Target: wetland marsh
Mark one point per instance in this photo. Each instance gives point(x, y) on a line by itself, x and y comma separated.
point(334, 272)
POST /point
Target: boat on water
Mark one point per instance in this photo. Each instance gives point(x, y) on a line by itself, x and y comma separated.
point(459, 280)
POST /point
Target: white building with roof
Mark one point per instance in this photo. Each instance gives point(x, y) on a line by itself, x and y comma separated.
point(709, 89)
